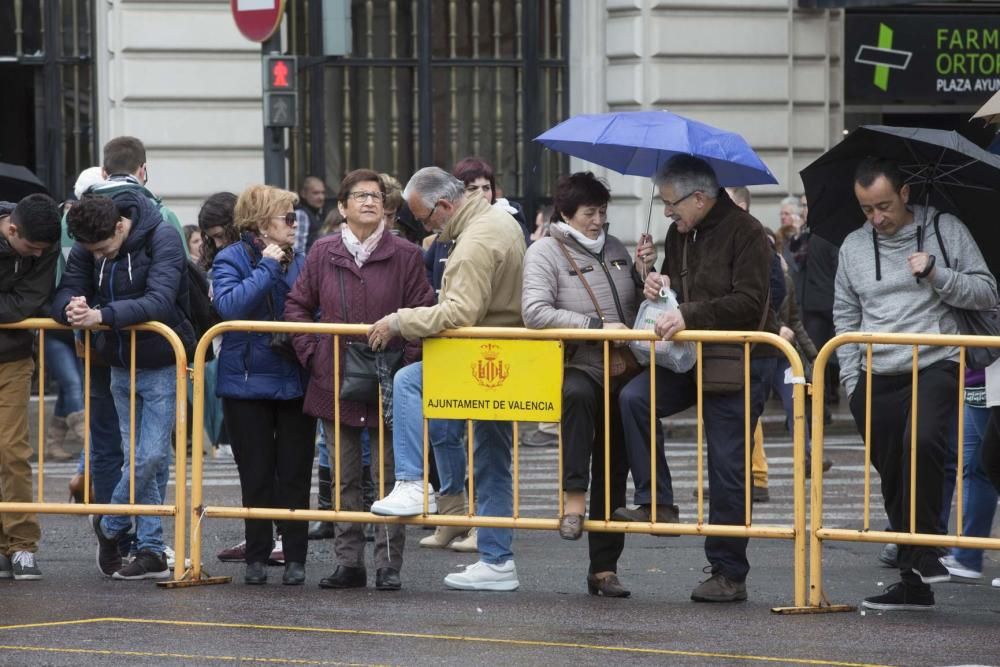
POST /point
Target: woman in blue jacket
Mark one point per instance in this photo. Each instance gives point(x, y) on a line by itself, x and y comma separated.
point(261, 389)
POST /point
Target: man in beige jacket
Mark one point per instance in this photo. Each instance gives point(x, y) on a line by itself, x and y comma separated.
point(481, 287)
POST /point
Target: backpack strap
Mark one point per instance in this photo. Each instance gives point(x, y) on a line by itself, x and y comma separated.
point(937, 232)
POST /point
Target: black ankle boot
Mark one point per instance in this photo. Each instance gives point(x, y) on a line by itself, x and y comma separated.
point(367, 487)
point(323, 530)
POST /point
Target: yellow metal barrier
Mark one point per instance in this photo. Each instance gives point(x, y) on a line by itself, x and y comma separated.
point(795, 531)
point(817, 597)
point(179, 509)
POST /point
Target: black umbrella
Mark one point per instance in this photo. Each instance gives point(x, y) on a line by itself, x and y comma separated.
point(942, 168)
point(17, 182)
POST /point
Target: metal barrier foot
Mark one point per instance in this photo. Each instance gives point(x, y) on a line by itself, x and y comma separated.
point(824, 607)
point(188, 580)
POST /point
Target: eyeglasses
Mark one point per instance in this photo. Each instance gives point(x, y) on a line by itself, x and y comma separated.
point(673, 204)
point(361, 196)
point(289, 218)
point(423, 221)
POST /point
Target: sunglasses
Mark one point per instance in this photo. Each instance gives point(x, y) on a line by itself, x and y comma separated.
point(289, 218)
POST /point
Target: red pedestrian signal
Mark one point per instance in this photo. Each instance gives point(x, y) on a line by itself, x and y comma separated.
point(279, 73)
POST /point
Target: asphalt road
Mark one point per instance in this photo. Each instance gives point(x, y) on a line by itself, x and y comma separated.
point(75, 617)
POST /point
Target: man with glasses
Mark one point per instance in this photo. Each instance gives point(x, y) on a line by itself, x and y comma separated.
point(718, 260)
point(481, 287)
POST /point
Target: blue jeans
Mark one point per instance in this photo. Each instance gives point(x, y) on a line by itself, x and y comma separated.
point(63, 365)
point(155, 396)
point(979, 499)
point(105, 437)
point(724, 429)
point(447, 438)
point(493, 442)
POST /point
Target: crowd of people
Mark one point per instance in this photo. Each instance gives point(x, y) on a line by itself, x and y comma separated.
point(447, 251)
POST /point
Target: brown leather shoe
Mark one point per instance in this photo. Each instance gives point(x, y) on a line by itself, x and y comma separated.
point(571, 526)
point(609, 586)
point(720, 588)
point(642, 514)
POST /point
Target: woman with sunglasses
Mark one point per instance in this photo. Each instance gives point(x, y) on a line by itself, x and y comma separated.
point(261, 385)
point(359, 275)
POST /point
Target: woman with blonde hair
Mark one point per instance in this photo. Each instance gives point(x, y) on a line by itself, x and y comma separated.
point(261, 384)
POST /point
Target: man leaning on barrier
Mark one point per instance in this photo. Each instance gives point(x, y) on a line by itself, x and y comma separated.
point(722, 253)
point(890, 280)
point(481, 287)
point(127, 267)
point(29, 252)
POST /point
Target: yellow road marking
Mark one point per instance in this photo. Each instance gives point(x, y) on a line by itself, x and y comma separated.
point(185, 656)
point(453, 638)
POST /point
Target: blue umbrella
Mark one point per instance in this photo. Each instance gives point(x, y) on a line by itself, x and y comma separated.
point(638, 142)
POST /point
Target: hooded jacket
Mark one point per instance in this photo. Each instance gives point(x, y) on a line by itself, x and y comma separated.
point(482, 279)
point(553, 296)
point(26, 285)
point(242, 279)
point(145, 282)
point(877, 293)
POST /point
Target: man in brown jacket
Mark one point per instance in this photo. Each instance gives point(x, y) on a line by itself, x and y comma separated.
point(718, 261)
point(481, 286)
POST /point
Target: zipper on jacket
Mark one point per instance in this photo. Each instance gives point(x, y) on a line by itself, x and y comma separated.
point(611, 282)
point(111, 286)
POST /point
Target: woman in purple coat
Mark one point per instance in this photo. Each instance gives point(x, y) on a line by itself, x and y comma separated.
point(357, 276)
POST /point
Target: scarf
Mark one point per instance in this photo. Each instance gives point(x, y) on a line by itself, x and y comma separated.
point(593, 245)
point(362, 250)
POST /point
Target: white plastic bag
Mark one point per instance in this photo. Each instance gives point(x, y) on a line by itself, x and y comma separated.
point(678, 357)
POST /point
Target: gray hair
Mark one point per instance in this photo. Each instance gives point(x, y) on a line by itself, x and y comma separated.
point(687, 174)
point(432, 184)
point(791, 201)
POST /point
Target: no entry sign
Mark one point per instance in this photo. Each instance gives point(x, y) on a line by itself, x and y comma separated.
point(257, 19)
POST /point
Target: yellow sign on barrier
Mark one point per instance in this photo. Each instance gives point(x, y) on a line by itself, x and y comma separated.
point(493, 380)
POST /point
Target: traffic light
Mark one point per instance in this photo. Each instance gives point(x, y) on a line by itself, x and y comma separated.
point(280, 91)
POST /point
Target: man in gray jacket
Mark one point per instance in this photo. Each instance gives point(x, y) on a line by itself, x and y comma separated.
point(893, 277)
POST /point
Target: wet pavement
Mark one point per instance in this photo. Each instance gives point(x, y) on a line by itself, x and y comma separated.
point(76, 617)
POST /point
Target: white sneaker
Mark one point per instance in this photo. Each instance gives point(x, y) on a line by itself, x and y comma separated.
point(996, 583)
point(956, 569)
point(482, 576)
point(405, 499)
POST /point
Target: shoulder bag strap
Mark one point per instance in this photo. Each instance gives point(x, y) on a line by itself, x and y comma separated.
point(569, 258)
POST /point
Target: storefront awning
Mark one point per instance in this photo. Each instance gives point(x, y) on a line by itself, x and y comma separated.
point(840, 4)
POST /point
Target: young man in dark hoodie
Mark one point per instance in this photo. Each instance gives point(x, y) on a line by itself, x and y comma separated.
point(29, 252)
point(127, 267)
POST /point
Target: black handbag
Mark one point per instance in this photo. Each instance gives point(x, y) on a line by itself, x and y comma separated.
point(362, 364)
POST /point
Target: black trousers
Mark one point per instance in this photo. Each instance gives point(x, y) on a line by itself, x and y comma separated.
point(819, 326)
point(937, 423)
point(583, 459)
point(273, 444)
point(989, 449)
